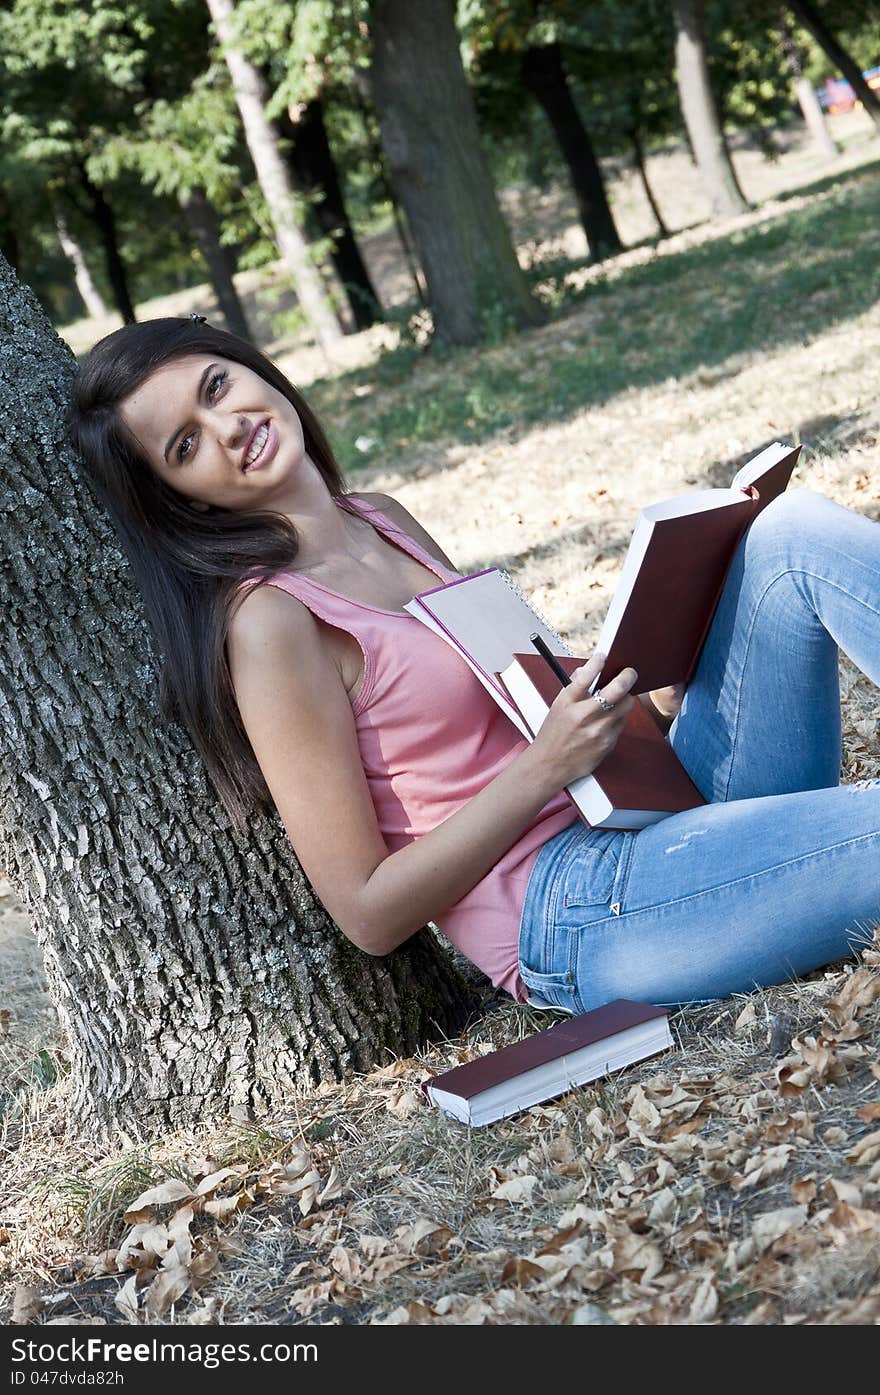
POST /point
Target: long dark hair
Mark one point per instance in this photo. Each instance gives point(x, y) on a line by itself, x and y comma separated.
point(188, 564)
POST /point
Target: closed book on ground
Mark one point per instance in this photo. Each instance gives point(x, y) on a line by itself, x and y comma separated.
point(551, 1062)
point(638, 783)
point(674, 571)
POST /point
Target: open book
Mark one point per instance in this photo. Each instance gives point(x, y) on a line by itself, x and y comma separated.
point(550, 1062)
point(675, 569)
point(658, 620)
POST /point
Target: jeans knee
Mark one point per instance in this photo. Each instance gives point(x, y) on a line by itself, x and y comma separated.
point(785, 533)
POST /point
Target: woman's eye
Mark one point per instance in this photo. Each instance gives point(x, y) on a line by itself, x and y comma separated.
point(215, 382)
point(185, 446)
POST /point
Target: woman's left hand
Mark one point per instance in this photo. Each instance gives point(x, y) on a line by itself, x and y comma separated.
point(668, 701)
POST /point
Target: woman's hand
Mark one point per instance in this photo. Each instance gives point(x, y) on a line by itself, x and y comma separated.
point(667, 701)
point(579, 732)
point(664, 704)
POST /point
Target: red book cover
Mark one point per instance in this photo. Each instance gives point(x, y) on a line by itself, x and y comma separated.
point(682, 573)
point(642, 772)
point(673, 599)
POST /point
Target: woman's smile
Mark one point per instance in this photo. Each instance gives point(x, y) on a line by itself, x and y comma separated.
point(261, 447)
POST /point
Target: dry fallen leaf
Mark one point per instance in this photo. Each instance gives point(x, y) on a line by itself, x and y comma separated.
point(761, 1166)
point(803, 1191)
point(866, 1151)
point(771, 1224)
point(168, 1285)
point(170, 1190)
point(402, 1104)
point(517, 1190)
point(213, 1180)
point(26, 1305)
point(126, 1300)
point(704, 1304)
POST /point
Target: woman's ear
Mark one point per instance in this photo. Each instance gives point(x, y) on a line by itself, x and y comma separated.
point(199, 505)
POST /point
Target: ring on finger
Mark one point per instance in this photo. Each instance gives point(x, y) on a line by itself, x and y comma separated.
point(603, 702)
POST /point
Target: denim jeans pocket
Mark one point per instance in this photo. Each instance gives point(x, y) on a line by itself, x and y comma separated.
point(551, 990)
point(594, 879)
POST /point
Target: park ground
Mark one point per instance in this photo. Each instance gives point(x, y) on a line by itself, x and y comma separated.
point(735, 1179)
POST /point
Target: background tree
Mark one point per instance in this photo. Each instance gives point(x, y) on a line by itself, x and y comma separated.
point(431, 139)
point(252, 96)
point(526, 44)
point(812, 18)
point(189, 149)
point(193, 969)
point(75, 76)
point(805, 92)
point(700, 112)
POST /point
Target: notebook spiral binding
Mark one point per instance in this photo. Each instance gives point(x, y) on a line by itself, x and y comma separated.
point(518, 591)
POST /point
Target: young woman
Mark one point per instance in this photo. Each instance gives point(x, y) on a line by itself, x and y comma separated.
point(277, 599)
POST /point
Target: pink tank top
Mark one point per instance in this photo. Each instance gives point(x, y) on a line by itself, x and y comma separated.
point(430, 738)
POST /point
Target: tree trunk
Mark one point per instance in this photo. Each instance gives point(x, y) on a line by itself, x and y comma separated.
point(430, 135)
point(544, 75)
point(809, 17)
point(251, 96)
point(311, 160)
point(205, 228)
point(376, 155)
point(700, 112)
point(193, 969)
point(808, 102)
point(89, 293)
point(639, 157)
point(102, 214)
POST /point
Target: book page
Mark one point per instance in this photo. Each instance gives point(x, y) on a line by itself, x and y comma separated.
point(750, 473)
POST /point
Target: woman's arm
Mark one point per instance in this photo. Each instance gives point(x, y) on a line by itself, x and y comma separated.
point(298, 718)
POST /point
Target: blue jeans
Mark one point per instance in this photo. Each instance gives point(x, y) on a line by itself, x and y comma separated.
point(780, 872)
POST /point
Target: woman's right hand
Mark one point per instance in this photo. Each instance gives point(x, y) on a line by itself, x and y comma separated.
point(578, 733)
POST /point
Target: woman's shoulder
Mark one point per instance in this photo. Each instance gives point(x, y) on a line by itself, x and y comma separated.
point(264, 615)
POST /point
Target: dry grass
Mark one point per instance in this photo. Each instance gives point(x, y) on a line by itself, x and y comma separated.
point(735, 1180)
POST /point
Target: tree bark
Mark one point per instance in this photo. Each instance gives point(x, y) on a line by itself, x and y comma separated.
point(812, 21)
point(90, 295)
point(193, 968)
point(545, 76)
point(808, 102)
point(639, 157)
point(205, 228)
point(700, 112)
point(105, 221)
point(311, 160)
point(251, 96)
point(430, 135)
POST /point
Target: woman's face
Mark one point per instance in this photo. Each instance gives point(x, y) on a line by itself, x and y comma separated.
point(216, 432)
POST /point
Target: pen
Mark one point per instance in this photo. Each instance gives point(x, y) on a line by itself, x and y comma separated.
point(551, 659)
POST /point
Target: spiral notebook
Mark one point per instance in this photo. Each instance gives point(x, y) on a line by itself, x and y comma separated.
point(487, 619)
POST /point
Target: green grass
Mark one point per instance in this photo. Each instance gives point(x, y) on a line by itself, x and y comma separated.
point(764, 285)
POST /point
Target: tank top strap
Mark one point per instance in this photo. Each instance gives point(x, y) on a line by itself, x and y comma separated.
point(327, 605)
point(391, 530)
